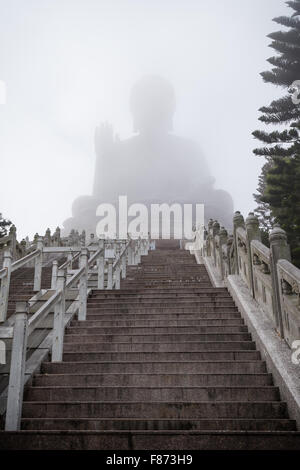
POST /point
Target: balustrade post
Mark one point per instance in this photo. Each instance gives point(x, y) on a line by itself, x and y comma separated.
point(238, 221)
point(17, 369)
point(124, 262)
point(23, 247)
point(110, 274)
point(100, 266)
point(118, 276)
point(129, 255)
point(48, 237)
point(38, 266)
point(138, 252)
point(5, 283)
point(253, 233)
point(209, 236)
point(69, 265)
point(13, 241)
point(279, 249)
point(222, 241)
point(83, 285)
point(58, 322)
point(54, 274)
point(215, 231)
point(228, 248)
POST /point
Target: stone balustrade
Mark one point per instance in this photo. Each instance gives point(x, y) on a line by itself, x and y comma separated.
point(272, 280)
point(103, 258)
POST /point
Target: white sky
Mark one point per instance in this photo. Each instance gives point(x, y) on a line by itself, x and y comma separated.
point(70, 64)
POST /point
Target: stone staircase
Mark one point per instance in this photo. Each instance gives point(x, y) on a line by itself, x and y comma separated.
point(166, 362)
point(21, 286)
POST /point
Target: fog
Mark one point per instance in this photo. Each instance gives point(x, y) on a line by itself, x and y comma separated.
point(69, 65)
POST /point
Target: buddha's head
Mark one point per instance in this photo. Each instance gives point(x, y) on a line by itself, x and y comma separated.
point(152, 103)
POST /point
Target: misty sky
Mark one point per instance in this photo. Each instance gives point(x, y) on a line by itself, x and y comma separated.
point(70, 64)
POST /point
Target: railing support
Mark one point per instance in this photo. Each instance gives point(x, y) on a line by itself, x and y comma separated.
point(17, 370)
point(54, 274)
point(5, 283)
point(110, 274)
point(253, 233)
point(83, 285)
point(279, 249)
point(38, 267)
point(101, 266)
point(58, 323)
point(238, 221)
point(124, 265)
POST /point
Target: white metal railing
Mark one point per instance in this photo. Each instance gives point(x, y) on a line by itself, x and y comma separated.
point(120, 254)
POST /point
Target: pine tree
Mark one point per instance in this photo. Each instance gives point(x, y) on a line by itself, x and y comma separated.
point(4, 226)
point(278, 195)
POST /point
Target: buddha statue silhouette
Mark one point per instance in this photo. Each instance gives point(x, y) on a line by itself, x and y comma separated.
point(154, 166)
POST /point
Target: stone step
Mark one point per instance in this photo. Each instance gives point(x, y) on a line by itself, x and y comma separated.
point(80, 337)
point(160, 338)
point(112, 295)
point(170, 291)
point(123, 323)
point(161, 310)
point(160, 347)
point(153, 394)
point(82, 356)
point(159, 330)
point(149, 440)
point(132, 409)
point(160, 303)
point(207, 316)
point(122, 424)
point(155, 380)
point(165, 367)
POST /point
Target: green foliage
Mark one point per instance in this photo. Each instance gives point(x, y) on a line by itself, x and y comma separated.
point(278, 192)
point(4, 226)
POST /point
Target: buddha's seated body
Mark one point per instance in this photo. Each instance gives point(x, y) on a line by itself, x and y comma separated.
point(155, 166)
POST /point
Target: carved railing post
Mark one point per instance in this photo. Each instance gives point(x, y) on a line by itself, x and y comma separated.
point(279, 249)
point(253, 233)
point(5, 283)
point(69, 265)
point(83, 284)
point(38, 266)
point(208, 239)
point(23, 247)
point(13, 241)
point(229, 246)
point(124, 261)
point(215, 232)
point(223, 235)
point(17, 369)
point(54, 274)
point(101, 266)
point(47, 240)
point(238, 221)
point(130, 255)
point(118, 276)
point(58, 322)
point(56, 237)
point(110, 259)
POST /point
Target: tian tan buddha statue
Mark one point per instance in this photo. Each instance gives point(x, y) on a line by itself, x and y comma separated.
point(154, 166)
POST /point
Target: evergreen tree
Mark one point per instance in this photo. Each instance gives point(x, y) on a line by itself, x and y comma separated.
point(278, 195)
point(4, 226)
